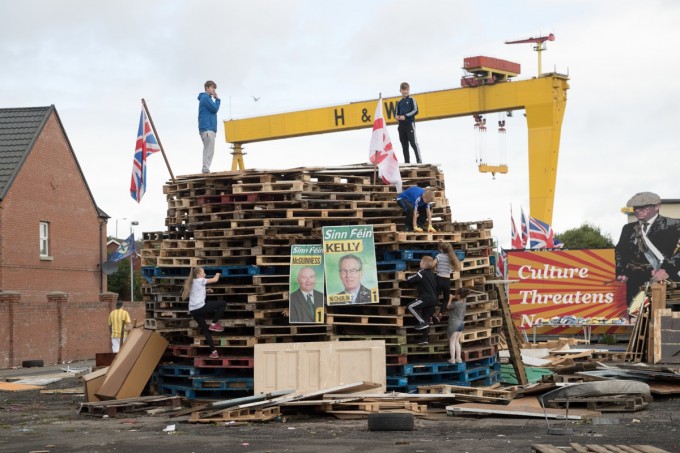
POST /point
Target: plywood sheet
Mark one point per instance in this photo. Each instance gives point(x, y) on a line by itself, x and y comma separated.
point(519, 411)
point(312, 366)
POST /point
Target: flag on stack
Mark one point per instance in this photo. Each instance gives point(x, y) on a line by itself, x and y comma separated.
point(381, 152)
point(147, 144)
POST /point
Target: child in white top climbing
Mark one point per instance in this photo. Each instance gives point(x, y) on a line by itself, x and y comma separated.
point(195, 289)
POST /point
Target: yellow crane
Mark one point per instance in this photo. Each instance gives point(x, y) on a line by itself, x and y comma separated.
point(543, 99)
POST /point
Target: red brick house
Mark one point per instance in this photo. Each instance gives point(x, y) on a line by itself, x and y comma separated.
point(52, 244)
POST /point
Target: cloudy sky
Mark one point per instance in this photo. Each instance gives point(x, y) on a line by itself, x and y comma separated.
point(95, 60)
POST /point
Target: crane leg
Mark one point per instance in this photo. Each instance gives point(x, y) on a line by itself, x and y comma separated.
point(237, 159)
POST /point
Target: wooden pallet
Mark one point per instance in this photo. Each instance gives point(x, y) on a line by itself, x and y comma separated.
point(129, 405)
point(365, 320)
point(628, 403)
point(371, 407)
point(592, 448)
point(469, 394)
point(241, 414)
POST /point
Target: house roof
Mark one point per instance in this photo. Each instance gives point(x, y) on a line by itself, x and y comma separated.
point(19, 129)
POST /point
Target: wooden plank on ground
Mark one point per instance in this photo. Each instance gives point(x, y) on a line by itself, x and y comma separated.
point(12, 387)
point(74, 390)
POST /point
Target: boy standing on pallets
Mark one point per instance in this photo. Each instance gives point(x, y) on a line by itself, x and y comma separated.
point(423, 307)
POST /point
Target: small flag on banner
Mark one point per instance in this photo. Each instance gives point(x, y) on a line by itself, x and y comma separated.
point(147, 144)
point(542, 235)
point(125, 249)
point(381, 152)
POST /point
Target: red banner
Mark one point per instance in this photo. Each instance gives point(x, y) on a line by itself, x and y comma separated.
point(565, 288)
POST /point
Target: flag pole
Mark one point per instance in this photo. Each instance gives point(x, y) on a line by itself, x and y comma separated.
point(167, 163)
point(375, 155)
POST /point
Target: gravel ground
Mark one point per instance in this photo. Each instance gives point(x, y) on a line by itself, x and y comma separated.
point(30, 421)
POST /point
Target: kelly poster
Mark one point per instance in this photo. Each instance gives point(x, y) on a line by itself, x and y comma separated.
point(557, 288)
point(306, 301)
point(350, 264)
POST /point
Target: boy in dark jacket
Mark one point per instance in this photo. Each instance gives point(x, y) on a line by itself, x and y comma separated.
point(423, 307)
point(406, 112)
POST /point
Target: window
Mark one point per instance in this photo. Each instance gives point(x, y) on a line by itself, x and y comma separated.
point(44, 239)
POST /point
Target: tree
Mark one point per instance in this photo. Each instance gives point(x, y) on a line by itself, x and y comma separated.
point(587, 236)
point(119, 281)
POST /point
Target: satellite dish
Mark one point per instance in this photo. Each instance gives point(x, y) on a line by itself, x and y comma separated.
point(109, 267)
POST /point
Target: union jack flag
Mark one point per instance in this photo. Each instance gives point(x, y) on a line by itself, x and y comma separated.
point(515, 240)
point(525, 230)
point(542, 235)
point(147, 144)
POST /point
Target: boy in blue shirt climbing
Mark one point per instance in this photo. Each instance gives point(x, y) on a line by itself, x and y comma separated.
point(417, 205)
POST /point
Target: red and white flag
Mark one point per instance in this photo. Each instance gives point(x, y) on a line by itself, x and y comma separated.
point(515, 239)
point(381, 152)
point(525, 230)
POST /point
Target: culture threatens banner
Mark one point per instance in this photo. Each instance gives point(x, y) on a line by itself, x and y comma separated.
point(565, 287)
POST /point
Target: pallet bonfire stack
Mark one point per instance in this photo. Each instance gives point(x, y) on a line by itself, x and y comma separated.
point(243, 224)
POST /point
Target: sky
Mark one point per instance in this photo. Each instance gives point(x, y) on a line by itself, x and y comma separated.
point(95, 61)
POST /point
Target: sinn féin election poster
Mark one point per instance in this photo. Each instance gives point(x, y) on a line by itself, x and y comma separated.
point(350, 264)
point(305, 304)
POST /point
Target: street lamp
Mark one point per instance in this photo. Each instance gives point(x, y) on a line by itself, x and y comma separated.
point(124, 218)
point(133, 223)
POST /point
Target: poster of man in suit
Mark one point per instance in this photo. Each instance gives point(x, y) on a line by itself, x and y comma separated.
point(648, 250)
point(350, 265)
point(305, 303)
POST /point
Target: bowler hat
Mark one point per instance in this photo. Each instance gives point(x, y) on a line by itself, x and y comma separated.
point(643, 199)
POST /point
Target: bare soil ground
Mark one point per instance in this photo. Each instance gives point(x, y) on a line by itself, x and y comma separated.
point(30, 421)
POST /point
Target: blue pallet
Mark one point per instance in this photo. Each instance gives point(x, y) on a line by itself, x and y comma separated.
point(177, 370)
point(396, 382)
point(222, 383)
point(152, 271)
point(408, 255)
point(493, 378)
point(475, 379)
point(452, 378)
point(233, 271)
point(190, 371)
point(472, 374)
point(225, 271)
point(464, 377)
point(415, 369)
point(487, 361)
point(191, 393)
point(391, 266)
